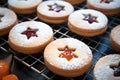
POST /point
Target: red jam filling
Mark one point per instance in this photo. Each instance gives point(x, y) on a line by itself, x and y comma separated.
point(67, 53)
point(56, 7)
point(116, 69)
point(1, 17)
point(90, 18)
point(30, 32)
point(106, 1)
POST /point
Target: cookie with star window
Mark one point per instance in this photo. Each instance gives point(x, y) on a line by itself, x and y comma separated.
point(115, 37)
point(54, 11)
point(24, 6)
point(87, 22)
point(7, 20)
point(108, 7)
point(107, 68)
point(68, 57)
point(74, 2)
point(30, 37)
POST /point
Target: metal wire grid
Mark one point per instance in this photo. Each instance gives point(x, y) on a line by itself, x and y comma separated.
point(100, 46)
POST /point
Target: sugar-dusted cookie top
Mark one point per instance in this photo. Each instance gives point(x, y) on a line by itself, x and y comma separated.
point(108, 68)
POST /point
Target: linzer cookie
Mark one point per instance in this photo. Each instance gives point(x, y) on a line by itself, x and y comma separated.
point(54, 12)
point(74, 2)
point(7, 20)
point(115, 37)
point(87, 22)
point(108, 7)
point(24, 6)
point(108, 68)
point(68, 57)
point(30, 37)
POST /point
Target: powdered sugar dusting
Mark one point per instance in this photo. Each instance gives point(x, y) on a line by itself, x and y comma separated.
point(44, 33)
point(9, 17)
point(77, 17)
point(103, 71)
point(116, 34)
point(111, 5)
point(73, 64)
point(82, 51)
point(44, 9)
point(23, 3)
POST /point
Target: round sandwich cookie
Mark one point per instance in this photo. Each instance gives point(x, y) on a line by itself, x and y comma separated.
point(108, 7)
point(54, 12)
point(68, 57)
point(24, 6)
point(7, 20)
point(108, 68)
point(74, 2)
point(115, 37)
point(87, 22)
point(30, 37)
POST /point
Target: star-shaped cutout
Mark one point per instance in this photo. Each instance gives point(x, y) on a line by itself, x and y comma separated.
point(106, 1)
point(67, 53)
point(56, 7)
point(1, 17)
point(30, 32)
point(90, 18)
point(116, 69)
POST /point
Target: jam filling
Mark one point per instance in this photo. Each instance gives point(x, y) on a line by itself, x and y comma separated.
point(56, 7)
point(1, 18)
point(67, 53)
point(106, 1)
point(90, 18)
point(116, 69)
point(30, 32)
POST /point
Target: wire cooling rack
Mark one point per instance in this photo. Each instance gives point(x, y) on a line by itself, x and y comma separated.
point(100, 46)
